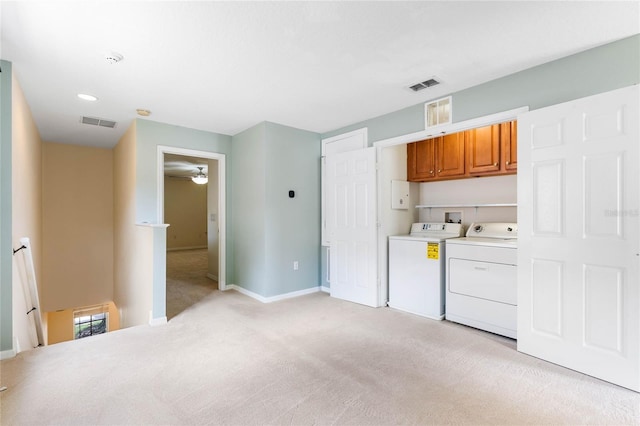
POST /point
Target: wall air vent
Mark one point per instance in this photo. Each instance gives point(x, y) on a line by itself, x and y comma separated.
point(98, 122)
point(427, 83)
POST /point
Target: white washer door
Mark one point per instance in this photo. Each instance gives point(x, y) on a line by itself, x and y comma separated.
point(416, 280)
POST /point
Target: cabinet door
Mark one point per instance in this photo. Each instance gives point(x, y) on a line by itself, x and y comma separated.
point(509, 140)
point(450, 155)
point(421, 160)
point(483, 144)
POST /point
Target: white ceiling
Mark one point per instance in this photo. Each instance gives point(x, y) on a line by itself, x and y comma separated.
point(182, 166)
point(226, 66)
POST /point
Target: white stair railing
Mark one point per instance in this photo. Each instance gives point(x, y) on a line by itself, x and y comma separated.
point(30, 288)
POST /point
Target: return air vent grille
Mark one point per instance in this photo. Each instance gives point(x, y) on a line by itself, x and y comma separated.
point(99, 122)
point(427, 83)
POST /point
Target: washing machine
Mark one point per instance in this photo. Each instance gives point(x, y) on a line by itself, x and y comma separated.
point(482, 278)
point(417, 268)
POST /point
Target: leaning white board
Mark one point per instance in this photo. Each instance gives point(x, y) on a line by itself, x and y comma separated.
point(30, 288)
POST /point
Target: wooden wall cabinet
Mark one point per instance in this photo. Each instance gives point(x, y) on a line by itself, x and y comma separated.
point(421, 160)
point(437, 158)
point(509, 136)
point(485, 151)
point(450, 155)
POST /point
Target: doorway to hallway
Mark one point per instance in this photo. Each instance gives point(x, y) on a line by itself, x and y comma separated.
point(195, 213)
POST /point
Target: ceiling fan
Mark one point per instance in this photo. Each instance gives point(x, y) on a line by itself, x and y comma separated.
point(200, 178)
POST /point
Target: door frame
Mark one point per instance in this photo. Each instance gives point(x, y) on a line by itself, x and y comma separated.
point(222, 209)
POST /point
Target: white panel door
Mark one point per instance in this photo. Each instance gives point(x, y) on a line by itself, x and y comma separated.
point(350, 141)
point(579, 235)
point(351, 225)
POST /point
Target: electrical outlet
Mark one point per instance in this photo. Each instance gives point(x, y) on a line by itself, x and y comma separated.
point(295, 265)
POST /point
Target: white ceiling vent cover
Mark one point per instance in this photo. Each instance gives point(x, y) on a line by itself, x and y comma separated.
point(423, 85)
point(98, 122)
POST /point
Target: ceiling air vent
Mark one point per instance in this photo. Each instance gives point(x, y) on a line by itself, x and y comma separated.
point(99, 122)
point(427, 83)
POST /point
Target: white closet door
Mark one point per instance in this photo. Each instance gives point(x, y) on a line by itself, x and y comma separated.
point(351, 225)
point(579, 238)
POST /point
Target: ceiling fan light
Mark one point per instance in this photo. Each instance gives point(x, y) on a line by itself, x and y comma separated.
point(200, 180)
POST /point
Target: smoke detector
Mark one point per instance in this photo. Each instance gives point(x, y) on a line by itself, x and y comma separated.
point(113, 57)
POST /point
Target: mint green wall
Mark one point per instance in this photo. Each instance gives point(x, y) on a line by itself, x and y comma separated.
point(150, 134)
point(593, 71)
point(248, 201)
point(6, 320)
point(293, 224)
point(604, 68)
point(272, 230)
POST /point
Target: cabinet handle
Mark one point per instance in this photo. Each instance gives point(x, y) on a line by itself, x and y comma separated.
point(439, 170)
point(508, 162)
point(431, 171)
point(495, 164)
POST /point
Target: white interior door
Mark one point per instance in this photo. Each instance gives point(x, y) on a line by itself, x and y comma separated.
point(351, 225)
point(578, 240)
point(350, 141)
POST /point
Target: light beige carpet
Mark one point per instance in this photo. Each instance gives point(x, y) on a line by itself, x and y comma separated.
point(187, 281)
point(311, 360)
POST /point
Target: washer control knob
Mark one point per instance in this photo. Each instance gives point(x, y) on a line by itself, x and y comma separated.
point(510, 229)
point(477, 228)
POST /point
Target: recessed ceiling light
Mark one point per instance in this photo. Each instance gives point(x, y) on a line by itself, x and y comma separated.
point(143, 112)
point(87, 97)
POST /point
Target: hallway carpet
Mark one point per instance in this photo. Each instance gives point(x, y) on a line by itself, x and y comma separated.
point(187, 281)
point(312, 360)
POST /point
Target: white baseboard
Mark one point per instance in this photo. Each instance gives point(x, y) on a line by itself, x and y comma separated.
point(186, 248)
point(272, 298)
point(7, 354)
point(212, 277)
point(157, 321)
point(325, 289)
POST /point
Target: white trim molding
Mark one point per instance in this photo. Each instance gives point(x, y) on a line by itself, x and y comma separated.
point(460, 126)
point(361, 134)
point(272, 298)
point(153, 322)
point(325, 289)
point(186, 248)
point(222, 198)
point(10, 353)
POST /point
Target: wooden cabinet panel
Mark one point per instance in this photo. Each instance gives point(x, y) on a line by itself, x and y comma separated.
point(483, 149)
point(421, 160)
point(425, 151)
point(450, 155)
point(509, 139)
